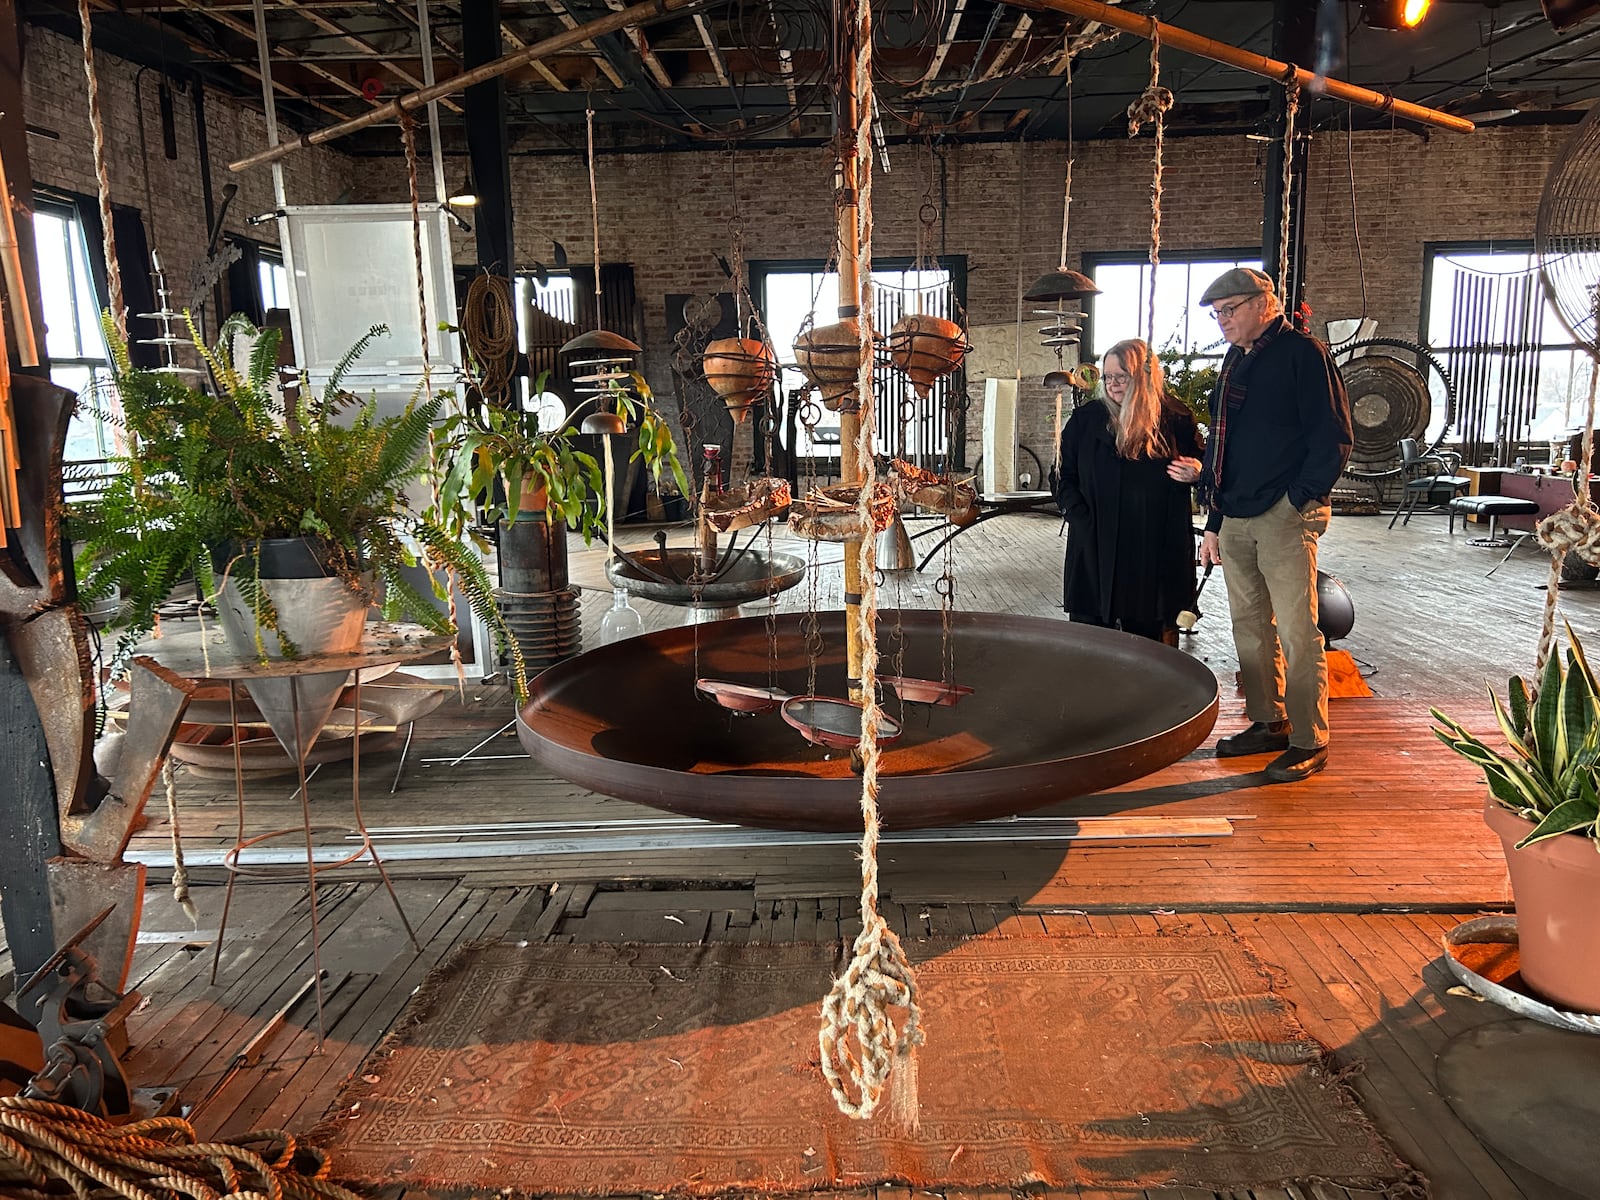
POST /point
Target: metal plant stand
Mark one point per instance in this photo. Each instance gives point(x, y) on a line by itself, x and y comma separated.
point(206, 657)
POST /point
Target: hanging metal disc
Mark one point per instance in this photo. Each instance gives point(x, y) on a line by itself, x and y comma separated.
point(1397, 390)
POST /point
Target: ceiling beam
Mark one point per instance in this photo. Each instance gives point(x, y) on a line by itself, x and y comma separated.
point(206, 53)
point(244, 30)
point(636, 36)
point(518, 42)
point(718, 64)
point(358, 42)
point(936, 63)
point(1019, 34)
point(1174, 38)
point(645, 13)
point(569, 22)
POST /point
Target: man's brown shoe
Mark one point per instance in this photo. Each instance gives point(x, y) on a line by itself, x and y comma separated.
point(1297, 763)
point(1263, 737)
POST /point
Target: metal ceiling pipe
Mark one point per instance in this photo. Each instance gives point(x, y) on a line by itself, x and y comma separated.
point(1256, 64)
point(645, 13)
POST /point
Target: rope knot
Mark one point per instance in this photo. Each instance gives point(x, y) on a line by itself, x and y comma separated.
point(858, 1069)
point(1573, 530)
point(1153, 103)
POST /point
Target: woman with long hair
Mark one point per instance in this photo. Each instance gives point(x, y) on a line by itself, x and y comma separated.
point(1127, 462)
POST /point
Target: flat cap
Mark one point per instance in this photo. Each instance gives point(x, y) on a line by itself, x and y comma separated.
point(1240, 281)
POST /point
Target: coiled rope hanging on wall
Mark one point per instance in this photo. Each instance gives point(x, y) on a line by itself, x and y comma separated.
point(862, 1054)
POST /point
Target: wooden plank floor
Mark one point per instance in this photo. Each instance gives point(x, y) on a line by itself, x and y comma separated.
point(1343, 884)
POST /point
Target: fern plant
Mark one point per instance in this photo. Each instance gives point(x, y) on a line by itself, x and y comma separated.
point(208, 475)
point(1549, 772)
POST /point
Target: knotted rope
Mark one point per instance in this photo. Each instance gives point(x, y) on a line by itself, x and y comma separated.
point(102, 179)
point(489, 326)
point(1291, 106)
point(860, 1048)
point(45, 1147)
point(1152, 105)
point(1574, 529)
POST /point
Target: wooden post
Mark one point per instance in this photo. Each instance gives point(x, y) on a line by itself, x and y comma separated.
point(21, 267)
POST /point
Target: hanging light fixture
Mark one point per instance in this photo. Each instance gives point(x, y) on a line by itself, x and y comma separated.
point(464, 196)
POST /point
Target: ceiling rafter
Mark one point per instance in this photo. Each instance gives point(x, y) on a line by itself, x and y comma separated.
point(518, 42)
point(568, 21)
point(203, 52)
point(942, 51)
point(642, 45)
point(280, 52)
point(358, 42)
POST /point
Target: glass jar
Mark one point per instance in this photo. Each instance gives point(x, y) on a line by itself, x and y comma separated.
point(621, 621)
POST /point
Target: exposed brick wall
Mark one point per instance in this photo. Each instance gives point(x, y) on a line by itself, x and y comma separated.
point(56, 96)
point(667, 214)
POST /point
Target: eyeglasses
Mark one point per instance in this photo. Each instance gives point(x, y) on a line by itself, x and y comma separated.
point(1225, 312)
point(1111, 377)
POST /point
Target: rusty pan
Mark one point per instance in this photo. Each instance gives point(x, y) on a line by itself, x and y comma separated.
point(926, 691)
point(832, 723)
point(742, 697)
point(1060, 710)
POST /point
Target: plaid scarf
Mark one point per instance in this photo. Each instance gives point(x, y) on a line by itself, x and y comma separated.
point(1230, 398)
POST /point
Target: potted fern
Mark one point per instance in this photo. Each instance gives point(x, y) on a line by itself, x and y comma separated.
point(243, 484)
point(1544, 804)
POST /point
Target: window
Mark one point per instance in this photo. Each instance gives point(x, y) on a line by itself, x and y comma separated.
point(909, 428)
point(1518, 375)
point(272, 278)
point(1121, 310)
point(77, 349)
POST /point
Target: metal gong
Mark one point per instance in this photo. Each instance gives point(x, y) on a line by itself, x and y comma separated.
point(1058, 710)
point(1392, 386)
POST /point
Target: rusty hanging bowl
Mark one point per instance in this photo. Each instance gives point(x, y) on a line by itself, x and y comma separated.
point(831, 514)
point(742, 697)
point(832, 723)
point(741, 371)
point(926, 691)
point(926, 348)
point(829, 356)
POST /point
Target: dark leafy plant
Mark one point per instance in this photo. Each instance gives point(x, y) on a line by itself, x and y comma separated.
point(1549, 773)
point(476, 448)
point(1191, 379)
point(230, 467)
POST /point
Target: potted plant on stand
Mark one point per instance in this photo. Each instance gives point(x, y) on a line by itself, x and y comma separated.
point(1544, 803)
point(288, 509)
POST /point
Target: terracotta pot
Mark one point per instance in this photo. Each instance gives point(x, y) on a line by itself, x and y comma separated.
point(531, 498)
point(1556, 884)
point(830, 357)
point(741, 371)
point(926, 348)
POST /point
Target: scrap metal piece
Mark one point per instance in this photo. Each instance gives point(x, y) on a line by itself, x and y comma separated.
point(156, 703)
point(52, 650)
point(37, 574)
point(79, 889)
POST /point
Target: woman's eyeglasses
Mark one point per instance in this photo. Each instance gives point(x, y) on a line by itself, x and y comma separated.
point(1112, 377)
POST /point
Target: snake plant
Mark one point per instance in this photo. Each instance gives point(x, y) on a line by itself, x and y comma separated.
point(1549, 771)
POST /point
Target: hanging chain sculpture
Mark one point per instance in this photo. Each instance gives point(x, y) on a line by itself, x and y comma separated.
point(1291, 107)
point(1153, 105)
point(860, 1047)
point(102, 178)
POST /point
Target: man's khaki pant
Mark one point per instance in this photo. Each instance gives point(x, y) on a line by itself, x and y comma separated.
point(1270, 563)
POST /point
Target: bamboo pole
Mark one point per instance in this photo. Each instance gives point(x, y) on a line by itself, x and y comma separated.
point(634, 15)
point(1173, 38)
point(848, 209)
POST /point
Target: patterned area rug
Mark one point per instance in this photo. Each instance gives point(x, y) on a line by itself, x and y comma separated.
point(605, 1069)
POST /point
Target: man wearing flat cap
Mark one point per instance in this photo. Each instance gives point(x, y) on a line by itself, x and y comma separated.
point(1280, 437)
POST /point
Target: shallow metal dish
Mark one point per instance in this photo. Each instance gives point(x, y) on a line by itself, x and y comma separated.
point(832, 723)
point(742, 697)
point(926, 691)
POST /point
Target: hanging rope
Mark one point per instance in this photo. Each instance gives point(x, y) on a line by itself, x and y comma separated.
point(408, 135)
point(102, 179)
point(180, 869)
point(47, 1149)
point(860, 1048)
point(1152, 105)
point(594, 211)
point(1066, 191)
point(1575, 529)
point(1291, 106)
point(489, 327)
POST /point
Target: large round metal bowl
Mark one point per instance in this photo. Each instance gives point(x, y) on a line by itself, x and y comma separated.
point(752, 575)
point(1059, 710)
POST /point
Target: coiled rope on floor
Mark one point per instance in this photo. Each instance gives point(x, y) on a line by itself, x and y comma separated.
point(861, 1052)
point(51, 1150)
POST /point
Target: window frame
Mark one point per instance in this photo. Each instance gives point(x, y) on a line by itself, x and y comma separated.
point(1092, 260)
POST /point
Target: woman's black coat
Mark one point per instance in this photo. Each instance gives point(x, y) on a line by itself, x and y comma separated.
point(1091, 494)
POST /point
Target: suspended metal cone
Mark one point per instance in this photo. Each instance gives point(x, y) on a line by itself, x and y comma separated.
point(894, 548)
point(319, 616)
